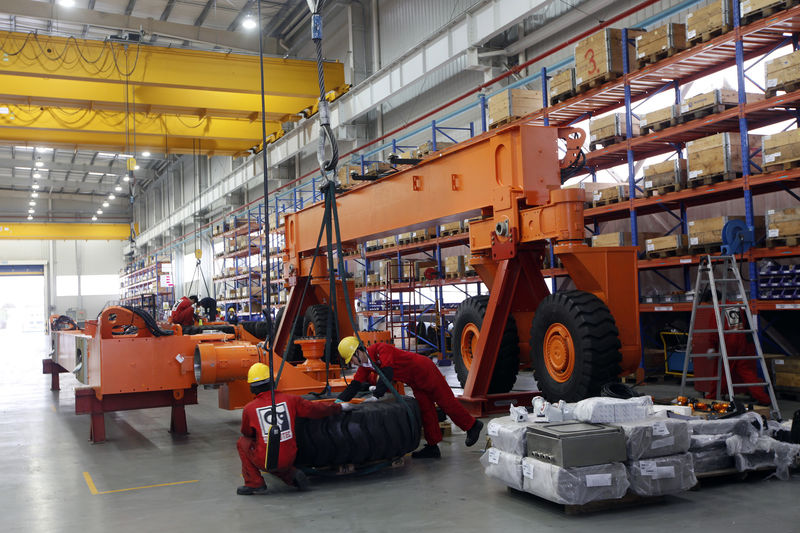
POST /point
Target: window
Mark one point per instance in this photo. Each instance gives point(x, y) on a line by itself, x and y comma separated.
point(91, 285)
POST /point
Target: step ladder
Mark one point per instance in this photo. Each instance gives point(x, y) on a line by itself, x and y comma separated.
point(720, 275)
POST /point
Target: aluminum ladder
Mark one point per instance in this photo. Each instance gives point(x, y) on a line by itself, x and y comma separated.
point(720, 275)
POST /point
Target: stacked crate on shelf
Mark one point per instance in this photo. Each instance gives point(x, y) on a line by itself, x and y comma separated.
point(147, 284)
point(786, 372)
point(719, 157)
point(239, 266)
point(609, 194)
point(666, 246)
point(611, 129)
point(659, 119)
point(782, 74)
point(709, 21)
point(562, 86)
point(705, 234)
point(781, 151)
point(665, 177)
point(712, 102)
point(620, 238)
point(783, 227)
point(598, 58)
point(512, 104)
point(660, 43)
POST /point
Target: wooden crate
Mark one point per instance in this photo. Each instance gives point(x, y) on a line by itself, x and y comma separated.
point(379, 167)
point(610, 195)
point(781, 150)
point(782, 73)
point(752, 10)
point(717, 157)
point(611, 129)
point(669, 245)
point(711, 102)
point(660, 43)
point(450, 228)
point(783, 379)
point(562, 86)
point(620, 238)
point(659, 119)
point(786, 365)
point(707, 232)
point(512, 104)
point(667, 176)
point(598, 58)
point(426, 148)
point(388, 242)
point(707, 22)
point(783, 224)
point(453, 266)
point(399, 271)
point(345, 179)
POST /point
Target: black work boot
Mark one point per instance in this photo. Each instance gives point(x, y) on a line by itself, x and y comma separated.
point(244, 490)
point(794, 433)
point(300, 480)
point(429, 451)
point(474, 433)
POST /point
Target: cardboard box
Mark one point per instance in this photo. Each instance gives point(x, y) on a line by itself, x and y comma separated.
point(783, 147)
point(600, 55)
point(611, 126)
point(562, 83)
point(715, 18)
point(662, 117)
point(514, 103)
point(667, 243)
point(668, 38)
point(672, 172)
point(782, 71)
point(783, 223)
point(719, 155)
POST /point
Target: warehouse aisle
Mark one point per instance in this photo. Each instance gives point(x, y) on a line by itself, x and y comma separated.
point(49, 466)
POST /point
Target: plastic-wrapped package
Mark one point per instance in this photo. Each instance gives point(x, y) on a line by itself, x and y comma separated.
point(748, 424)
point(711, 459)
point(764, 452)
point(574, 486)
point(655, 437)
point(705, 442)
point(507, 435)
point(736, 444)
point(503, 466)
point(662, 475)
point(613, 410)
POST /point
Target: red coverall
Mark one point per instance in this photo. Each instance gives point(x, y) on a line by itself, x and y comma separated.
point(252, 445)
point(742, 370)
point(429, 386)
point(183, 313)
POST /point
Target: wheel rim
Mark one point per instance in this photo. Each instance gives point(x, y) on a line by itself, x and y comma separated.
point(559, 352)
point(468, 344)
point(311, 331)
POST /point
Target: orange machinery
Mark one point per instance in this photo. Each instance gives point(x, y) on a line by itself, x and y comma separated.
point(126, 362)
point(509, 179)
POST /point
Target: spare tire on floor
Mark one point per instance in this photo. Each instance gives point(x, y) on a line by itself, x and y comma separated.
point(371, 432)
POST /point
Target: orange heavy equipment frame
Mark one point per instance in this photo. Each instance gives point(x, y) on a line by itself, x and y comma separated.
point(510, 178)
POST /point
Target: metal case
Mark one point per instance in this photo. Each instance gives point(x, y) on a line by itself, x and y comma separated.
point(569, 444)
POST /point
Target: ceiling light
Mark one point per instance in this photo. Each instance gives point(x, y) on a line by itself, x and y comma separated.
point(34, 195)
point(36, 175)
point(145, 154)
point(39, 164)
point(118, 188)
point(30, 217)
point(99, 211)
point(94, 217)
point(96, 173)
point(105, 204)
point(248, 23)
point(106, 154)
point(111, 197)
point(124, 156)
point(66, 3)
point(126, 178)
point(136, 167)
point(43, 149)
point(31, 210)
point(35, 186)
point(31, 203)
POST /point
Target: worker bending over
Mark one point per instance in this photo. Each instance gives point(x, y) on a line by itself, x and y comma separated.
point(183, 311)
point(256, 418)
point(419, 373)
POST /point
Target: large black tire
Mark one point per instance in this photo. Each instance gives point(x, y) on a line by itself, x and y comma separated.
point(371, 432)
point(315, 324)
point(574, 346)
point(295, 352)
point(469, 317)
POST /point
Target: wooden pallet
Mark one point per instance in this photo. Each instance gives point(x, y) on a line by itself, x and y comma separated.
point(562, 97)
point(707, 36)
point(767, 11)
point(595, 82)
point(783, 165)
point(450, 232)
point(606, 142)
point(662, 189)
point(609, 201)
point(656, 57)
point(661, 254)
point(453, 275)
point(503, 121)
point(787, 240)
point(705, 249)
point(712, 178)
point(658, 126)
point(788, 87)
point(702, 112)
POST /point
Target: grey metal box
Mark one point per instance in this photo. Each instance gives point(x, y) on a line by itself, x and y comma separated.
point(569, 444)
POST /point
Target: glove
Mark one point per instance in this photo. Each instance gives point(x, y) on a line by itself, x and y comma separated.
point(346, 406)
point(370, 399)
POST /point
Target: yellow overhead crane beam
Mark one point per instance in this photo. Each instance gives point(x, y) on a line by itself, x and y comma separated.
point(56, 75)
point(70, 231)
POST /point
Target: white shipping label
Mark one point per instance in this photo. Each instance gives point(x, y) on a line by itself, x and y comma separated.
point(746, 9)
point(694, 173)
point(641, 55)
point(494, 456)
point(598, 480)
point(769, 158)
point(665, 472)
point(772, 82)
point(660, 429)
point(693, 241)
point(578, 80)
point(662, 443)
point(779, 361)
point(650, 246)
point(690, 15)
point(527, 469)
point(771, 212)
point(684, 108)
point(648, 184)
point(664, 308)
point(494, 430)
point(691, 223)
point(773, 232)
point(685, 261)
point(593, 138)
point(691, 33)
point(596, 196)
point(648, 468)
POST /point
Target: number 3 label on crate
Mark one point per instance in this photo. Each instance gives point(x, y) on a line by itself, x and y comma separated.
point(494, 456)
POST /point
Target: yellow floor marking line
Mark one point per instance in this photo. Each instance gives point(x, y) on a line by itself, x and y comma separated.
point(93, 488)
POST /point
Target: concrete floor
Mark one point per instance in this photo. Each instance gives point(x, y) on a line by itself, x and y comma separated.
point(46, 458)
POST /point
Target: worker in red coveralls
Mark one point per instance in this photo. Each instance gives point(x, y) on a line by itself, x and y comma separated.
point(736, 344)
point(183, 311)
point(419, 373)
point(256, 418)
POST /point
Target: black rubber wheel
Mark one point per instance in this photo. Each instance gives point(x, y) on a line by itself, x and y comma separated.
point(467, 325)
point(574, 346)
point(315, 324)
point(295, 352)
point(371, 432)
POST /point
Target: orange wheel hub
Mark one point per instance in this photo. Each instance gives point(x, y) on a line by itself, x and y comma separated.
point(559, 352)
point(311, 331)
point(469, 343)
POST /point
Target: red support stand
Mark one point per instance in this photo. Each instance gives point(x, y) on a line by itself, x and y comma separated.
point(54, 369)
point(87, 402)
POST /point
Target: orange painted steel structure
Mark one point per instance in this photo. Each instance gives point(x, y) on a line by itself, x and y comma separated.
point(511, 178)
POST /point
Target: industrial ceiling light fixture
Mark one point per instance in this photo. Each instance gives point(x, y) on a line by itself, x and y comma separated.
point(105, 204)
point(118, 188)
point(31, 210)
point(35, 186)
point(111, 197)
point(30, 217)
point(126, 178)
point(248, 22)
point(39, 164)
point(36, 175)
point(94, 217)
point(34, 194)
point(66, 3)
point(99, 211)
point(145, 154)
point(31, 203)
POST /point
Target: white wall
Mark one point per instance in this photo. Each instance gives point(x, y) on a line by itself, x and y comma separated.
point(69, 258)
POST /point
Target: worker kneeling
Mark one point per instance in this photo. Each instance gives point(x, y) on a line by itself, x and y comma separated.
point(256, 418)
point(419, 373)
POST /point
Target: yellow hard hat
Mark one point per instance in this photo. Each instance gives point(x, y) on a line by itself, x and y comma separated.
point(347, 347)
point(258, 372)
